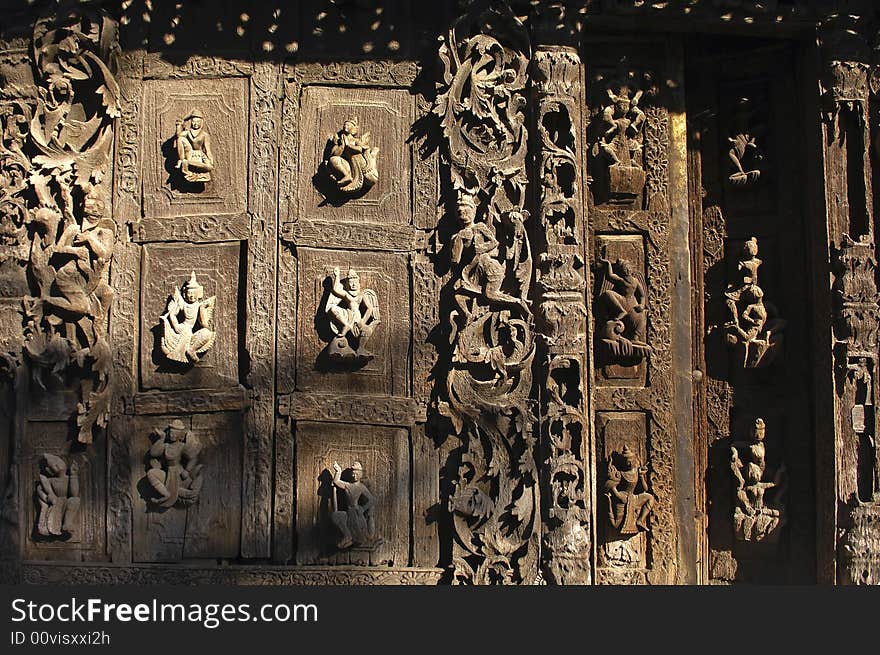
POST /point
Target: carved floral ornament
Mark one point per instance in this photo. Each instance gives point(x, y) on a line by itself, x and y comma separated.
point(54, 165)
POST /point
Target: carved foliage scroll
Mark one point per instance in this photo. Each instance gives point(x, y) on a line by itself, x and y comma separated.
point(492, 495)
point(55, 160)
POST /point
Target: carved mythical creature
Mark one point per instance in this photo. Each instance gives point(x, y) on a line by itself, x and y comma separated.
point(356, 517)
point(756, 515)
point(174, 473)
point(622, 315)
point(58, 497)
point(744, 153)
point(621, 143)
point(629, 501)
point(187, 323)
point(354, 315)
point(351, 160)
point(194, 156)
point(752, 326)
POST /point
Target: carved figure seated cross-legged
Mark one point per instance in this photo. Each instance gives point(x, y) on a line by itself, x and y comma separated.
point(194, 157)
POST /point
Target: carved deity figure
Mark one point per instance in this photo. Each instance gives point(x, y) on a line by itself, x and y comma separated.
point(356, 518)
point(58, 497)
point(744, 154)
point(194, 157)
point(351, 160)
point(475, 246)
point(629, 501)
point(621, 143)
point(175, 473)
point(753, 327)
point(354, 314)
point(623, 315)
point(187, 323)
point(757, 513)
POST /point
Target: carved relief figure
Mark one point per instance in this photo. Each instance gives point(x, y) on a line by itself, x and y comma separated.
point(174, 473)
point(862, 422)
point(753, 327)
point(353, 313)
point(744, 154)
point(621, 144)
point(188, 323)
point(759, 508)
point(629, 501)
point(355, 517)
point(476, 248)
point(350, 160)
point(58, 496)
point(622, 314)
point(194, 157)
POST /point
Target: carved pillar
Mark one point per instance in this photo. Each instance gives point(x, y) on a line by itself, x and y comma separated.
point(849, 206)
point(491, 479)
point(562, 316)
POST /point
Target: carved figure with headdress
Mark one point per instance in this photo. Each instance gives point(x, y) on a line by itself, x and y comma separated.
point(174, 473)
point(623, 313)
point(187, 324)
point(194, 157)
point(353, 313)
point(351, 160)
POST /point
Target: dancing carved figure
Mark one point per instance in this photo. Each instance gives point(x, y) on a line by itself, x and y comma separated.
point(187, 323)
point(351, 160)
point(629, 501)
point(622, 314)
point(753, 327)
point(355, 518)
point(476, 248)
point(353, 313)
point(759, 509)
point(195, 159)
point(621, 144)
point(58, 496)
point(175, 473)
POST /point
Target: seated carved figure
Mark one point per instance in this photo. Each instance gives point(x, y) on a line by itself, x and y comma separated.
point(354, 314)
point(356, 519)
point(194, 157)
point(174, 473)
point(629, 501)
point(351, 160)
point(188, 323)
point(756, 516)
point(58, 497)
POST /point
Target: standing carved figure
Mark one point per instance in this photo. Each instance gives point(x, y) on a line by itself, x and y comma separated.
point(58, 497)
point(354, 314)
point(755, 518)
point(194, 157)
point(621, 143)
point(174, 473)
point(351, 160)
point(356, 520)
point(623, 314)
point(187, 323)
point(629, 501)
point(753, 326)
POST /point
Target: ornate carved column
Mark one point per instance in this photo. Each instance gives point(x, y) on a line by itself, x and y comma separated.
point(485, 385)
point(852, 254)
point(562, 312)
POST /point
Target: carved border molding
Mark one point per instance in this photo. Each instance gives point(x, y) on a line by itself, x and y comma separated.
point(61, 573)
point(366, 410)
point(368, 236)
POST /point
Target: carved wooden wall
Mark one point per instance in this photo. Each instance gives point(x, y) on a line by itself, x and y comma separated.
point(484, 293)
